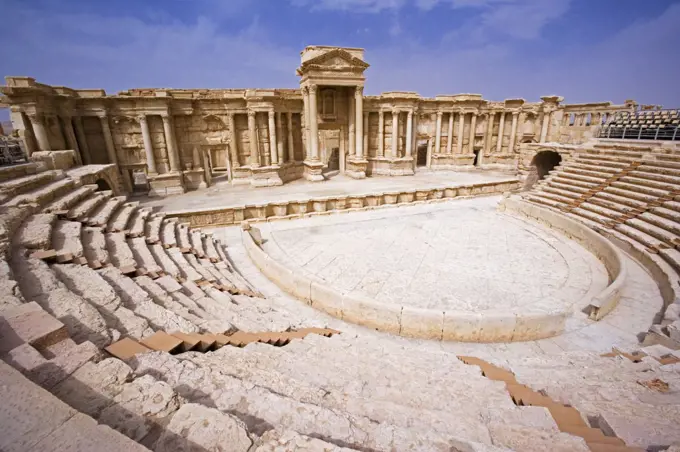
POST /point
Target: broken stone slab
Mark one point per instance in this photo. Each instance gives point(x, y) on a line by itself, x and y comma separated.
point(29, 323)
point(36, 232)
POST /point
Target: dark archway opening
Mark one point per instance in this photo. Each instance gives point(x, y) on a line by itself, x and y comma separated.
point(475, 162)
point(102, 185)
point(334, 160)
point(422, 156)
point(545, 161)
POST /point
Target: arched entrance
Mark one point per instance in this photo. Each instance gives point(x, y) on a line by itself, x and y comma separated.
point(102, 185)
point(545, 161)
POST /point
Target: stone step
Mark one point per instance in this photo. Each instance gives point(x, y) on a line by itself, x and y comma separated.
point(672, 256)
point(672, 205)
point(592, 216)
point(662, 163)
point(99, 293)
point(196, 240)
point(143, 256)
point(153, 228)
point(86, 206)
point(610, 161)
point(670, 225)
point(168, 236)
point(664, 178)
point(119, 252)
point(242, 285)
point(568, 187)
point(553, 197)
point(595, 176)
point(183, 240)
point(562, 193)
point(137, 222)
point(595, 167)
point(618, 151)
point(661, 186)
point(603, 210)
point(623, 200)
point(210, 249)
point(66, 239)
point(120, 219)
point(205, 274)
point(577, 179)
point(624, 209)
point(633, 195)
point(651, 169)
point(188, 272)
point(660, 233)
point(12, 172)
point(94, 247)
point(640, 188)
point(14, 187)
point(71, 199)
point(29, 324)
point(36, 231)
point(100, 217)
point(45, 194)
point(166, 263)
point(651, 243)
point(138, 301)
point(673, 215)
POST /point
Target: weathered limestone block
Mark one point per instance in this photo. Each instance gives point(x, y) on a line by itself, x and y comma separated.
point(142, 254)
point(119, 220)
point(83, 209)
point(29, 323)
point(166, 263)
point(66, 238)
point(276, 440)
point(119, 252)
point(196, 426)
point(94, 246)
point(168, 236)
point(535, 440)
point(71, 199)
point(36, 232)
point(101, 216)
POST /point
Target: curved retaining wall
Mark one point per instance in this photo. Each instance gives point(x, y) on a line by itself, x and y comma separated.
point(281, 210)
point(602, 248)
point(541, 320)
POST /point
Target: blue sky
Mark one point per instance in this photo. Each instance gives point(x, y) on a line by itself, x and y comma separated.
point(584, 50)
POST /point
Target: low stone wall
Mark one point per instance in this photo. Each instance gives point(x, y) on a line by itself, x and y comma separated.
point(282, 210)
point(602, 248)
point(56, 160)
point(541, 320)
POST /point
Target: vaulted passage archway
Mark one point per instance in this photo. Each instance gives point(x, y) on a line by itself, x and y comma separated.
point(545, 161)
point(103, 185)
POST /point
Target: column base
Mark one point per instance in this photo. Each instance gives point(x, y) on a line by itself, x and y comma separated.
point(313, 171)
point(166, 184)
point(265, 176)
point(356, 168)
point(388, 166)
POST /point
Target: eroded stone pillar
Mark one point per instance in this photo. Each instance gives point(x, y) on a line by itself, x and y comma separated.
point(108, 139)
point(544, 126)
point(82, 140)
point(38, 122)
point(489, 132)
point(409, 134)
point(473, 126)
point(365, 145)
point(513, 132)
point(291, 143)
point(499, 142)
point(148, 149)
point(449, 141)
point(461, 131)
point(381, 134)
point(233, 141)
point(359, 113)
point(170, 141)
point(438, 133)
point(273, 147)
point(351, 134)
point(314, 126)
point(395, 133)
point(252, 141)
point(305, 123)
point(279, 135)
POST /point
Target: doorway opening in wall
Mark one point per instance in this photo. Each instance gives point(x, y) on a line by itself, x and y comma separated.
point(421, 159)
point(476, 162)
point(140, 184)
point(545, 161)
point(333, 166)
point(102, 185)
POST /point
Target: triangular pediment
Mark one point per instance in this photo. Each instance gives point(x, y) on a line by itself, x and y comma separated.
point(336, 60)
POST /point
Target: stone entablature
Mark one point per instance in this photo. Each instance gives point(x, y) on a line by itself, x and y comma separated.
point(180, 138)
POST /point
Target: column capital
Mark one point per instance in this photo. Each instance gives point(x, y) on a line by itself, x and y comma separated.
point(102, 115)
point(36, 117)
point(515, 113)
point(230, 114)
point(312, 89)
point(271, 114)
point(140, 118)
point(251, 113)
point(410, 113)
point(359, 91)
point(165, 115)
point(395, 111)
point(440, 113)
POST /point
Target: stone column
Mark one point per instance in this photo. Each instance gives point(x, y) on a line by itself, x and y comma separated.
point(314, 127)
point(108, 139)
point(395, 133)
point(291, 143)
point(252, 139)
point(429, 153)
point(381, 134)
point(305, 124)
point(82, 140)
point(148, 149)
point(489, 132)
point(414, 133)
point(513, 132)
point(449, 142)
point(359, 113)
point(71, 138)
point(365, 145)
point(544, 126)
point(233, 141)
point(273, 147)
point(351, 123)
point(461, 131)
point(438, 133)
point(499, 142)
point(409, 133)
point(473, 126)
point(40, 132)
point(170, 141)
point(279, 135)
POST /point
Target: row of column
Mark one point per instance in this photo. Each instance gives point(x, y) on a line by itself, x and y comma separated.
point(275, 154)
point(473, 126)
point(394, 151)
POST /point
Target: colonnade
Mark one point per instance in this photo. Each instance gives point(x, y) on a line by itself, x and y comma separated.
point(460, 133)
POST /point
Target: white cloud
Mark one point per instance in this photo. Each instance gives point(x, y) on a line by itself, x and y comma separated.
point(361, 6)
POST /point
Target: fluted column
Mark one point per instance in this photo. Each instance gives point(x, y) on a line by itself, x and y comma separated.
point(409, 133)
point(108, 139)
point(252, 141)
point(305, 124)
point(359, 113)
point(233, 141)
point(395, 133)
point(381, 134)
point(499, 142)
point(148, 149)
point(279, 135)
point(473, 126)
point(82, 140)
point(365, 145)
point(314, 127)
point(449, 141)
point(351, 135)
point(71, 138)
point(273, 148)
point(544, 126)
point(170, 141)
point(438, 133)
point(40, 132)
point(291, 143)
point(414, 131)
point(513, 132)
point(489, 132)
point(461, 131)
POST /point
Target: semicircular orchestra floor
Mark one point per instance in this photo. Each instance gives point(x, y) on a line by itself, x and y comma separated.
point(461, 256)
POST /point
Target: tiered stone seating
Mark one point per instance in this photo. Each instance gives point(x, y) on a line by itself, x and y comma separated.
point(646, 125)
